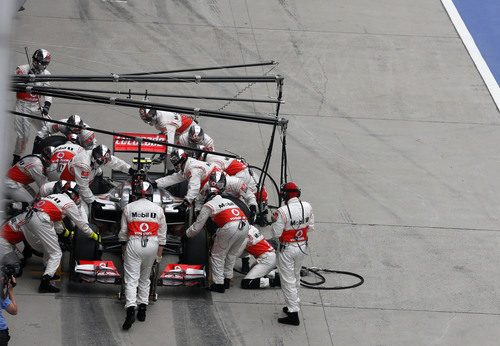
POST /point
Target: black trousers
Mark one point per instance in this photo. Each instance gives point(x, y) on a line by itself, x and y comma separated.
point(4, 337)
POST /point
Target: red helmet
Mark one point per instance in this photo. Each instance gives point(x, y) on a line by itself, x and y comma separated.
point(289, 190)
point(41, 59)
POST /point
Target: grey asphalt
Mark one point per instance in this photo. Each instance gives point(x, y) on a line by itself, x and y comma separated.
point(393, 138)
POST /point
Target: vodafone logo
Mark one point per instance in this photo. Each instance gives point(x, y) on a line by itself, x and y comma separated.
point(235, 212)
point(60, 155)
point(40, 204)
point(144, 227)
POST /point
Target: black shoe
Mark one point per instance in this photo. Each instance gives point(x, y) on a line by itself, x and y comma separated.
point(130, 319)
point(227, 283)
point(245, 265)
point(141, 312)
point(291, 318)
point(276, 282)
point(46, 287)
point(217, 288)
point(55, 277)
point(15, 159)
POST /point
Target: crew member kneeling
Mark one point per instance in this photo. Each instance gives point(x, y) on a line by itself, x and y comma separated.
point(143, 235)
point(291, 224)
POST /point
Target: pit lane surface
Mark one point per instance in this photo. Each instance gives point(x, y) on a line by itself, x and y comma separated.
point(393, 138)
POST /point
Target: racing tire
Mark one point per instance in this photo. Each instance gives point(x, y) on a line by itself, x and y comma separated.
point(196, 249)
point(54, 141)
point(84, 248)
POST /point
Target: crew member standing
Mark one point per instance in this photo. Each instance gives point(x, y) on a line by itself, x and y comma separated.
point(31, 104)
point(143, 235)
point(291, 224)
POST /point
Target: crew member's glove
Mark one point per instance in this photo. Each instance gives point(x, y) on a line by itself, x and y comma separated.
point(253, 212)
point(159, 159)
point(132, 171)
point(37, 141)
point(154, 184)
point(96, 237)
point(97, 205)
point(45, 108)
point(183, 206)
point(67, 233)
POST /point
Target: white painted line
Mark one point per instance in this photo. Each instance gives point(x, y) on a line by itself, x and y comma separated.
point(476, 56)
point(114, 0)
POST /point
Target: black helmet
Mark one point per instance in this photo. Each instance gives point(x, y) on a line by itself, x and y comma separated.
point(75, 120)
point(217, 180)
point(41, 59)
point(46, 155)
point(140, 187)
point(178, 157)
point(58, 186)
point(72, 190)
point(196, 134)
point(147, 114)
point(100, 155)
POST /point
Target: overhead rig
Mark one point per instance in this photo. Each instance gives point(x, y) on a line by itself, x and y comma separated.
point(24, 83)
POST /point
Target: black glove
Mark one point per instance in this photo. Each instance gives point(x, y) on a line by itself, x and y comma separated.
point(253, 212)
point(97, 205)
point(45, 108)
point(159, 159)
point(154, 184)
point(183, 206)
point(132, 171)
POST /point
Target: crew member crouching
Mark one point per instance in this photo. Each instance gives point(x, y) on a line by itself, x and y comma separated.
point(257, 246)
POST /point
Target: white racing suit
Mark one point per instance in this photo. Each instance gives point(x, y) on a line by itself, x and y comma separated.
point(233, 167)
point(47, 189)
point(196, 172)
point(43, 223)
point(235, 188)
point(61, 157)
point(51, 129)
point(207, 141)
point(172, 125)
point(257, 246)
point(293, 221)
point(79, 170)
point(231, 233)
point(30, 104)
point(144, 228)
point(28, 170)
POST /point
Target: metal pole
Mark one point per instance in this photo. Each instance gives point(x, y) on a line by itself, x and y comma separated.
point(129, 92)
point(115, 78)
point(158, 106)
point(271, 62)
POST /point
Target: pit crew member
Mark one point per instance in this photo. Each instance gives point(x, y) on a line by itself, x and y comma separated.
point(41, 223)
point(170, 124)
point(31, 104)
point(85, 166)
point(291, 224)
point(29, 169)
point(143, 235)
point(257, 246)
point(231, 233)
point(196, 137)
